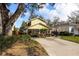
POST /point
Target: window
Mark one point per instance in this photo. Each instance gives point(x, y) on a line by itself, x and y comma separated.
point(72, 30)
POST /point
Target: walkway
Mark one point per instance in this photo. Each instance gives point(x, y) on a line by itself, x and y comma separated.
point(58, 47)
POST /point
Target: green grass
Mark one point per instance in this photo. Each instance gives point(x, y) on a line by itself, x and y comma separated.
point(71, 38)
point(6, 42)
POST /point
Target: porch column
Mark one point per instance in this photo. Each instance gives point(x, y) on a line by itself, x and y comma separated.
point(39, 32)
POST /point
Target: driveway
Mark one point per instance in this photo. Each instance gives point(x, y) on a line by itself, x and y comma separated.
point(58, 47)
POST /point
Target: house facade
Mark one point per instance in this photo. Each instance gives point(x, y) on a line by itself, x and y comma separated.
point(37, 26)
point(67, 27)
point(74, 28)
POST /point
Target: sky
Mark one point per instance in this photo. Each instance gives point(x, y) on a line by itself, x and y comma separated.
point(61, 10)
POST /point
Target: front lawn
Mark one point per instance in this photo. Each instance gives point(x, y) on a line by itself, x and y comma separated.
point(71, 38)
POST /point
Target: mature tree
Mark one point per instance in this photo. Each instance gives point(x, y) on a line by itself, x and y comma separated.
point(8, 21)
point(74, 18)
point(55, 21)
point(49, 22)
point(32, 7)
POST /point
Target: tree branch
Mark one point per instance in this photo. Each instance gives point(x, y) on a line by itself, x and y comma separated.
point(17, 13)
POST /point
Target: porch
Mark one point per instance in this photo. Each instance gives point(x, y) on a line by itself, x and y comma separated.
point(39, 32)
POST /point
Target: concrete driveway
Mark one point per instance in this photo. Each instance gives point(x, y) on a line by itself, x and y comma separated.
point(58, 47)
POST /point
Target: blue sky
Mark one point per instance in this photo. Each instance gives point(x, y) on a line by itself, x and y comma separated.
point(62, 10)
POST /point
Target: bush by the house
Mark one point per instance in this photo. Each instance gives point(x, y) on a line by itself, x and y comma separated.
point(24, 38)
point(65, 33)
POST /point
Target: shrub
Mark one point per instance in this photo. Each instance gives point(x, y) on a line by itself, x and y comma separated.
point(43, 30)
point(6, 42)
point(24, 37)
point(65, 33)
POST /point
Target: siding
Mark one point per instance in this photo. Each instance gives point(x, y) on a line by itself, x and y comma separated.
point(38, 26)
point(36, 21)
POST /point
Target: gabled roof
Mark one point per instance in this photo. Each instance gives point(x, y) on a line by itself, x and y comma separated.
point(38, 19)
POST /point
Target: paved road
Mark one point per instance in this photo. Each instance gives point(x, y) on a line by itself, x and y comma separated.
point(59, 47)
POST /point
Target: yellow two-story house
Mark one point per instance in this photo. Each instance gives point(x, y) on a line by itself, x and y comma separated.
point(37, 26)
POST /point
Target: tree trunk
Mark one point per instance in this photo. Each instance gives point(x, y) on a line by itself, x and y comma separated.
point(8, 22)
point(8, 31)
point(4, 17)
